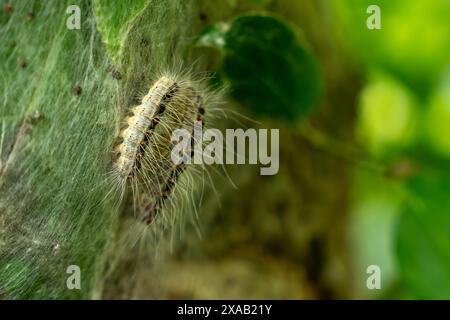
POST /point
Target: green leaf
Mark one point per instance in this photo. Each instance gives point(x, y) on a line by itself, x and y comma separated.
point(413, 42)
point(387, 115)
point(423, 243)
point(114, 19)
point(269, 68)
point(438, 118)
point(373, 219)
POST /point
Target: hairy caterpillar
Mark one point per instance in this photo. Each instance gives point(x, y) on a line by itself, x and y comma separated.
point(143, 153)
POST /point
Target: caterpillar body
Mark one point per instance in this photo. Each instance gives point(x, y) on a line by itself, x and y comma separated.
point(143, 154)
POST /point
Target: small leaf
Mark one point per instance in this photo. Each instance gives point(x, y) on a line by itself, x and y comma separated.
point(269, 68)
point(113, 20)
point(387, 115)
point(214, 36)
point(438, 117)
point(423, 245)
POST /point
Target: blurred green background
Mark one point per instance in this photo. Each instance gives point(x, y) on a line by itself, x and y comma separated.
point(364, 118)
point(364, 179)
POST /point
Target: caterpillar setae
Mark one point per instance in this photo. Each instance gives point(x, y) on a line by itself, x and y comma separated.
point(142, 157)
